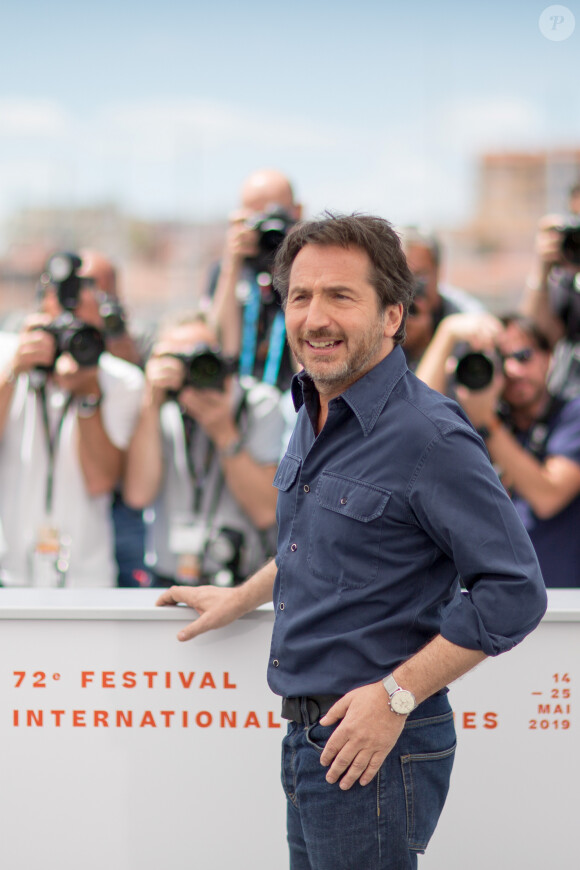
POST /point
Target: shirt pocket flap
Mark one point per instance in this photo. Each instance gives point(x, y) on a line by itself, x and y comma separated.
point(353, 498)
point(287, 472)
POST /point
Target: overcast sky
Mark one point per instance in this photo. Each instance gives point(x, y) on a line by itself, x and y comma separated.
point(164, 107)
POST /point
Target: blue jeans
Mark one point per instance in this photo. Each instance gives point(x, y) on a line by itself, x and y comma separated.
point(381, 826)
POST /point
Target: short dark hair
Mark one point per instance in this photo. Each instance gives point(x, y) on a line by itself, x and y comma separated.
point(530, 328)
point(390, 275)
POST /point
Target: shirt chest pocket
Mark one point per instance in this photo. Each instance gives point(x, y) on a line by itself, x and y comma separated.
point(347, 529)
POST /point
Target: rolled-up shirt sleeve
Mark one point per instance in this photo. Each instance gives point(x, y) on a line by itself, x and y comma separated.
point(457, 498)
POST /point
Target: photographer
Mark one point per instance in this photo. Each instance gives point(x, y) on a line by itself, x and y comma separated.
point(552, 296)
point(532, 437)
point(205, 452)
point(67, 410)
point(244, 309)
point(433, 300)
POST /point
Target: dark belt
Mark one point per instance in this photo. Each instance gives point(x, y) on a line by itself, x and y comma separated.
point(307, 710)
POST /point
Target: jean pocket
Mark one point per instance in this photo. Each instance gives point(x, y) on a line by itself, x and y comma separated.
point(426, 778)
point(317, 735)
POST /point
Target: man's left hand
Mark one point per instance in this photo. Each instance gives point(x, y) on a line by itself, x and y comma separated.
point(74, 379)
point(481, 405)
point(367, 733)
point(212, 410)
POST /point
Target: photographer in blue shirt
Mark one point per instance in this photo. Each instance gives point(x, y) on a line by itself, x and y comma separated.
point(386, 498)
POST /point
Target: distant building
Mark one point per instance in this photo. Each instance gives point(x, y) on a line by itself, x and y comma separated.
point(517, 188)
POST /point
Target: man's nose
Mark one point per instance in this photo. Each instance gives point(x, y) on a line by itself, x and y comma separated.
point(511, 367)
point(318, 316)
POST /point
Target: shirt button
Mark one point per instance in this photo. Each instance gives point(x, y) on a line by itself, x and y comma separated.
point(306, 488)
point(343, 500)
point(293, 547)
point(282, 605)
point(276, 663)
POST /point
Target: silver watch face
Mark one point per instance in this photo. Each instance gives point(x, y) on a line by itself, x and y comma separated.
point(403, 702)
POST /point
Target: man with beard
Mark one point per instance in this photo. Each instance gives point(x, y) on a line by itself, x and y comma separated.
point(532, 437)
point(385, 495)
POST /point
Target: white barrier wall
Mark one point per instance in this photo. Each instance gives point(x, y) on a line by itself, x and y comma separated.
point(123, 748)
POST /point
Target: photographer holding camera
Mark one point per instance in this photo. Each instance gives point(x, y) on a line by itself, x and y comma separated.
point(204, 453)
point(498, 371)
point(67, 410)
point(433, 299)
point(552, 296)
point(245, 309)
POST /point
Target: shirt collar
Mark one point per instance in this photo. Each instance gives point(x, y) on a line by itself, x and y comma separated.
point(366, 397)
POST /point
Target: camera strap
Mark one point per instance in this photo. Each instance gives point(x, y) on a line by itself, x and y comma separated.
point(535, 440)
point(52, 440)
point(190, 427)
point(250, 323)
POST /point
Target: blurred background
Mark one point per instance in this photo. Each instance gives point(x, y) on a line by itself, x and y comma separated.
point(129, 127)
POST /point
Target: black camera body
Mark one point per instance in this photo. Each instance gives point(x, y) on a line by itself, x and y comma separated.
point(84, 342)
point(570, 242)
point(272, 229)
point(113, 317)
point(475, 370)
point(62, 273)
point(205, 368)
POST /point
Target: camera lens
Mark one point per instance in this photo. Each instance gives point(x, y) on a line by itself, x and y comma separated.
point(84, 343)
point(474, 371)
point(206, 371)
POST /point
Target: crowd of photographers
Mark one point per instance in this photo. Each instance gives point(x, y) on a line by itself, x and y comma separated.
point(130, 462)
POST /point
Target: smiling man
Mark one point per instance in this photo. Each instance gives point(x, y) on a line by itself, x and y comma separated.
point(385, 496)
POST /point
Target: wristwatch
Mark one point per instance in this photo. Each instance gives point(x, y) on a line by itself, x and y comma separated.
point(486, 432)
point(88, 405)
point(232, 449)
point(401, 701)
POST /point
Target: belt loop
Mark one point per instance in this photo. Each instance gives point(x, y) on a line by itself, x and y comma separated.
point(304, 711)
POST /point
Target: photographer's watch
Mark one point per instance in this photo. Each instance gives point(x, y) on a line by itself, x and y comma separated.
point(88, 405)
point(401, 701)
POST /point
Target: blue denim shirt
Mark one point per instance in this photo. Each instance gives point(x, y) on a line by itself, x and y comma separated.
point(378, 517)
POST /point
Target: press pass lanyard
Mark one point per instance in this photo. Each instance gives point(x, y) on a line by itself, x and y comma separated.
point(251, 317)
point(200, 474)
point(52, 441)
point(199, 471)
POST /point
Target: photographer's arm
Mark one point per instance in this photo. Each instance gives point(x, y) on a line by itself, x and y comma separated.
point(251, 485)
point(101, 461)
point(35, 348)
point(547, 486)
point(225, 313)
point(144, 467)
point(218, 607)
point(535, 301)
point(249, 481)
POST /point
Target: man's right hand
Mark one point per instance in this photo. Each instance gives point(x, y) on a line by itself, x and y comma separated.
point(36, 347)
point(241, 240)
point(216, 607)
point(162, 373)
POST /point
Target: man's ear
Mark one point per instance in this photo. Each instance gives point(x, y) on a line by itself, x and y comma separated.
point(392, 319)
